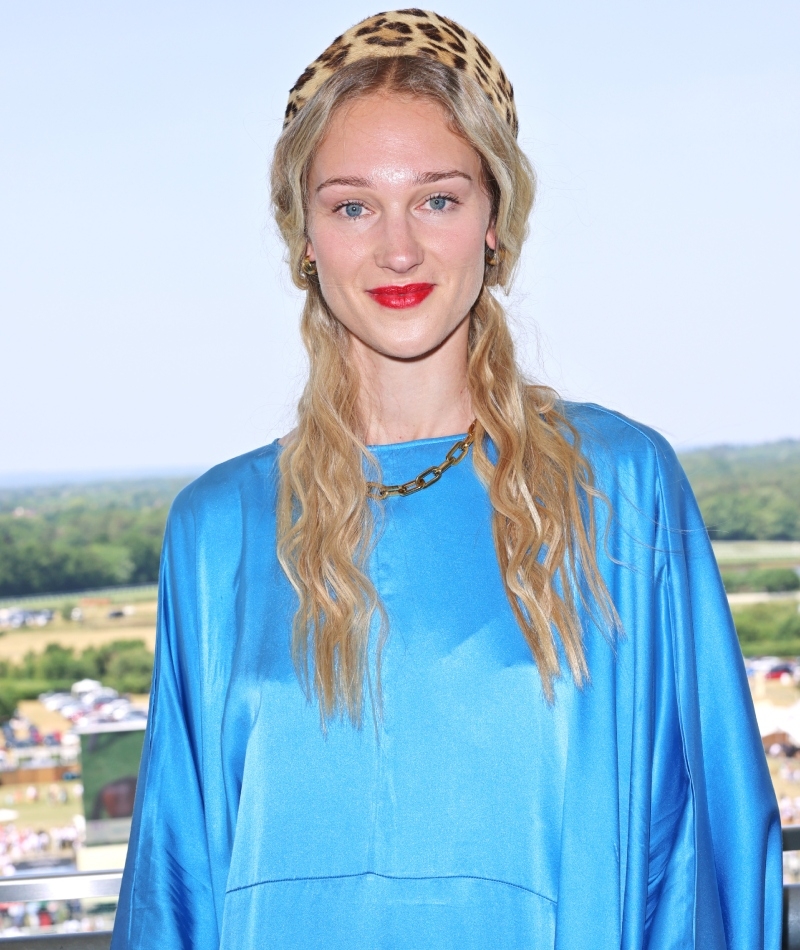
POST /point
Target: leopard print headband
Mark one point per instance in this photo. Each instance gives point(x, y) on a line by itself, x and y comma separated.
point(409, 33)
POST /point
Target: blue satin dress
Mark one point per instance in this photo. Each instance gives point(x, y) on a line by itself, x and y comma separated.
point(636, 812)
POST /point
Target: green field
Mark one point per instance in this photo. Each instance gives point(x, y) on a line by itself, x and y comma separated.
point(42, 813)
point(756, 553)
point(139, 594)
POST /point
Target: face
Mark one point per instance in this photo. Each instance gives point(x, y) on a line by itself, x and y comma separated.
point(398, 222)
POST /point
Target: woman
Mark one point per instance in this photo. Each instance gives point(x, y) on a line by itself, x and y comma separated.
point(407, 699)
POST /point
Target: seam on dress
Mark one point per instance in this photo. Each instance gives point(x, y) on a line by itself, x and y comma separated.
point(201, 724)
point(639, 429)
point(392, 877)
point(679, 703)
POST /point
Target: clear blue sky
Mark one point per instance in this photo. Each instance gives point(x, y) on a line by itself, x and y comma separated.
point(145, 318)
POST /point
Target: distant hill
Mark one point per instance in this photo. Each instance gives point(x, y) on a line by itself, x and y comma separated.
point(748, 492)
point(135, 493)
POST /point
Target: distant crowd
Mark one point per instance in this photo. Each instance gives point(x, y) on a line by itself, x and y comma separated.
point(18, 844)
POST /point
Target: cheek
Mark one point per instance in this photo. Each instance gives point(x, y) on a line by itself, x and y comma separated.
point(338, 257)
point(461, 247)
point(339, 265)
point(463, 264)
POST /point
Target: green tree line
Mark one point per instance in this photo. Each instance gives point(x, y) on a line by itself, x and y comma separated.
point(770, 629)
point(77, 537)
point(774, 580)
point(81, 537)
point(748, 492)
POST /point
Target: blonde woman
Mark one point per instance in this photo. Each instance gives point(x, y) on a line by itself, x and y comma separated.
point(449, 666)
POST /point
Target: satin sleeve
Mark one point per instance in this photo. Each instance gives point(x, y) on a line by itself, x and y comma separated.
point(715, 839)
point(166, 899)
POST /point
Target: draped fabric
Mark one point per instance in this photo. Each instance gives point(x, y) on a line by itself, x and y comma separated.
point(636, 812)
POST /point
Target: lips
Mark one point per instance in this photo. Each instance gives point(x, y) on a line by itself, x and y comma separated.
point(399, 297)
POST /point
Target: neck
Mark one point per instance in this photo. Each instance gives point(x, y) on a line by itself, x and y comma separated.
point(423, 398)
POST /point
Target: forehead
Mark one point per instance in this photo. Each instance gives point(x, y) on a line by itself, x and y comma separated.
point(381, 132)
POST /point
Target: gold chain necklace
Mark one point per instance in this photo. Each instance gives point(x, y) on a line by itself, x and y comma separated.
point(429, 476)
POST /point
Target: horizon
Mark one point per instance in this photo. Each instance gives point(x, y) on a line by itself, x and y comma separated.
point(10, 481)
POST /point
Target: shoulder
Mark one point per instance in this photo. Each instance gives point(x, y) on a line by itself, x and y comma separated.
point(626, 456)
point(230, 488)
point(604, 429)
point(609, 437)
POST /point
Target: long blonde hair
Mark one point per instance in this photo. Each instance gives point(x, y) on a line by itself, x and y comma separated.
point(540, 485)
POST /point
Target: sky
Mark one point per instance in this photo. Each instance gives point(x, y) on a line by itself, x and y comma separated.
point(147, 322)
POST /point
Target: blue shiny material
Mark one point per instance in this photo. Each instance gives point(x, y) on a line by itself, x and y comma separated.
point(635, 813)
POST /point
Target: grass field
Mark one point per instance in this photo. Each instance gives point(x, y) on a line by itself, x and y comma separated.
point(95, 629)
point(42, 814)
point(44, 720)
point(114, 595)
point(757, 553)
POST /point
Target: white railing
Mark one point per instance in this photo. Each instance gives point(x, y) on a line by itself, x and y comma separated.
point(60, 887)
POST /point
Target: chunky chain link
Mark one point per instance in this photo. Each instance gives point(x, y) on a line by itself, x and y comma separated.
point(427, 478)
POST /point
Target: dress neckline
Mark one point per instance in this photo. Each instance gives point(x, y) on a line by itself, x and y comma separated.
point(410, 444)
point(415, 443)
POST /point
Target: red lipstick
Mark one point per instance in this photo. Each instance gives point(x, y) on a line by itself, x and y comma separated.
point(407, 295)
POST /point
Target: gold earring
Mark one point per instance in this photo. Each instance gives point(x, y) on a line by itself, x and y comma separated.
point(492, 257)
point(309, 267)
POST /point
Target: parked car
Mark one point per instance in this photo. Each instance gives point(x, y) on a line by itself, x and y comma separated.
point(56, 701)
point(74, 711)
point(97, 697)
point(16, 618)
point(782, 669)
point(109, 707)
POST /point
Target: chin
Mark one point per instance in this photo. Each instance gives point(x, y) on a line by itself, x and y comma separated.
point(416, 338)
point(409, 349)
point(409, 337)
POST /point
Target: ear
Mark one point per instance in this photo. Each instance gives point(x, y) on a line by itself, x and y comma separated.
point(491, 236)
point(310, 251)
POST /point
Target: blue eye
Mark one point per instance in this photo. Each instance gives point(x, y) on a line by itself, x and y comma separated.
point(353, 210)
point(438, 204)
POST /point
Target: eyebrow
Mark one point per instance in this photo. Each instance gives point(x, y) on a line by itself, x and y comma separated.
point(426, 178)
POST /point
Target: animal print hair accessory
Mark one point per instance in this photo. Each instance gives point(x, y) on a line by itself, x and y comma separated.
point(409, 33)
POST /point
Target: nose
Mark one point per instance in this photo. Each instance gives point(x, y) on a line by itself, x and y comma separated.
point(398, 248)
